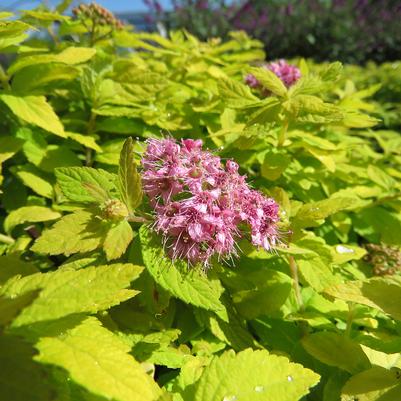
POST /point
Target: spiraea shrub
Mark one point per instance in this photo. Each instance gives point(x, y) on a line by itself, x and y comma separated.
point(181, 220)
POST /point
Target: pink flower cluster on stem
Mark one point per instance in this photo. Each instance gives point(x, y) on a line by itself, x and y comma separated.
point(289, 74)
point(202, 208)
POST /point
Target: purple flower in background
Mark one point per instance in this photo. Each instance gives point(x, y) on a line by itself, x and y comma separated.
point(201, 206)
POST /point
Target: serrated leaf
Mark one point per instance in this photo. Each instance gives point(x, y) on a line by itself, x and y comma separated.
point(31, 214)
point(117, 240)
point(236, 94)
point(65, 292)
point(253, 375)
point(72, 182)
point(35, 110)
point(99, 361)
point(129, 179)
point(309, 214)
point(269, 80)
point(189, 285)
point(336, 350)
point(380, 293)
point(80, 231)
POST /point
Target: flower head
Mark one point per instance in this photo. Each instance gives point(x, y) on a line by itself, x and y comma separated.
point(289, 74)
point(200, 204)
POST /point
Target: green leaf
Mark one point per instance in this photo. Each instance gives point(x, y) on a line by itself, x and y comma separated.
point(11, 307)
point(21, 378)
point(36, 180)
point(35, 110)
point(99, 361)
point(12, 265)
point(269, 80)
point(8, 147)
point(129, 179)
point(80, 231)
point(189, 285)
point(12, 33)
point(373, 379)
point(236, 94)
point(38, 76)
point(78, 183)
point(117, 240)
point(310, 213)
point(253, 375)
point(31, 214)
point(380, 293)
point(274, 165)
point(336, 350)
point(70, 56)
point(65, 292)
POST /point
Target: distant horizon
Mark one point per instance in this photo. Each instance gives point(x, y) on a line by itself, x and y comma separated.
point(118, 6)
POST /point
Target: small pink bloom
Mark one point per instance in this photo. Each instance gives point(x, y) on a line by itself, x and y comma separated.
point(199, 204)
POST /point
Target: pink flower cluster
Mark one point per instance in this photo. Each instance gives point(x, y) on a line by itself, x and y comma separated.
point(202, 207)
point(288, 73)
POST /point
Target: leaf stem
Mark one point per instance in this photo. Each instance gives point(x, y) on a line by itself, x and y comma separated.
point(90, 129)
point(5, 239)
point(297, 288)
point(4, 79)
point(350, 318)
point(282, 136)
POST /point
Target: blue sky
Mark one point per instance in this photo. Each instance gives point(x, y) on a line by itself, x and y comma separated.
point(113, 5)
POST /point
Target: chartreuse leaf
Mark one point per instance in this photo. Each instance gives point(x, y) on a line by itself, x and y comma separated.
point(70, 56)
point(336, 350)
point(129, 179)
point(117, 240)
point(374, 383)
point(11, 265)
point(35, 110)
point(12, 32)
point(189, 285)
point(65, 292)
point(379, 292)
point(21, 378)
point(269, 80)
point(236, 94)
point(11, 307)
point(309, 214)
point(98, 360)
point(80, 231)
point(79, 184)
point(8, 147)
point(31, 214)
point(36, 180)
point(253, 375)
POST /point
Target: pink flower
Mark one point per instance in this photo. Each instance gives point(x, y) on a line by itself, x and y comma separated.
point(289, 74)
point(199, 204)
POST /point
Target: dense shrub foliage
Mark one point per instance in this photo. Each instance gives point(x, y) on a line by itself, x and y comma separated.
point(348, 30)
point(91, 305)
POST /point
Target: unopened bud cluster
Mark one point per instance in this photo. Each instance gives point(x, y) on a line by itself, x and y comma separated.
point(113, 209)
point(385, 260)
point(202, 208)
point(98, 14)
point(288, 74)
